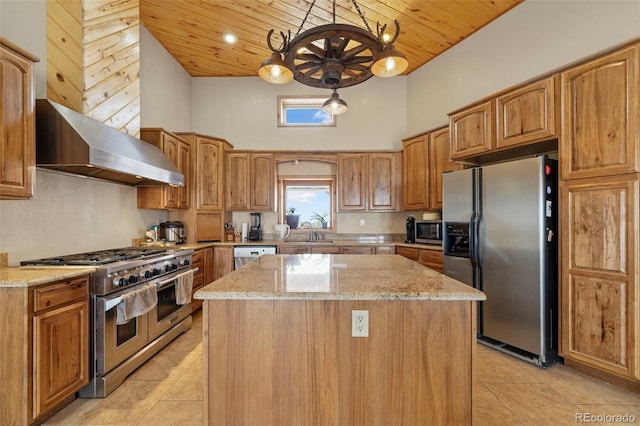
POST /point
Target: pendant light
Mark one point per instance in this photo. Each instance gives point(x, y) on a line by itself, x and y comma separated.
point(334, 105)
point(334, 55)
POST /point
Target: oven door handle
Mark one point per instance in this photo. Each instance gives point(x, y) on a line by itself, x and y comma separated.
point(108, 304)
point(162, 283)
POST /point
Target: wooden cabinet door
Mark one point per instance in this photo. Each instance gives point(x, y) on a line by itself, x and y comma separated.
point(600, 133)
point(222, 261)
point(178, 151)
point(352, 184)
point(384, 181)
point(415, 174)
point(60, 353)
point(263, 182)
point(17, 125)
point(170, 148)
point(238, 180)
point(598, 277)
point(472, 131)
point(184, 165)
point(209, 172)
point(438, 164)
point(528, 114)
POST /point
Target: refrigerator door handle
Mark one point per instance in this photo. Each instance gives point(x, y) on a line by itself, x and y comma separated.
point(476, 238)
point(472, 239)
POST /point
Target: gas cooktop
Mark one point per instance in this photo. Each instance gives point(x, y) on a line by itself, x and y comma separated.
point(102, 257)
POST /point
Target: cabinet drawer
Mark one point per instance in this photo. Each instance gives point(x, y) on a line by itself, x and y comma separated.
point(357, 249)
point(324, 249)
point(385, 249)
point(408, 252)
point(293, 249)
point(60, 293)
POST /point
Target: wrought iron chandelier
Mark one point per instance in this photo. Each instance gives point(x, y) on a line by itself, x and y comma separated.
point(333, 56)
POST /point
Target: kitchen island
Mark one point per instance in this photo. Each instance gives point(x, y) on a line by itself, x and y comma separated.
point(278, 344)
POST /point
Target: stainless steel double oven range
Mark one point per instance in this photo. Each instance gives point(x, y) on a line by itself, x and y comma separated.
point(118, 350)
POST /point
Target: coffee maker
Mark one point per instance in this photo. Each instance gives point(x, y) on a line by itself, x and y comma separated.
point(411, 230)
point(255, 231)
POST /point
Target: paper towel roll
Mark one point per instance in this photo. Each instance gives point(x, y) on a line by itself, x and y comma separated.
point(245, 231)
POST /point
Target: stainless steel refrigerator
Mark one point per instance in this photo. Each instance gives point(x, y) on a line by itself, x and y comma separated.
point(500, 236)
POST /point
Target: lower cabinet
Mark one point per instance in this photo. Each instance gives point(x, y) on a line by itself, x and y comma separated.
point(203, 260)
point(324, 249)
point(45, 359)
point(430, 258)
point(598, 277)
point(222, 261)
point(357, 249)
point(336, 249)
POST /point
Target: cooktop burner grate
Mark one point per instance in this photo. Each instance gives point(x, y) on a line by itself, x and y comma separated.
point(102, 257)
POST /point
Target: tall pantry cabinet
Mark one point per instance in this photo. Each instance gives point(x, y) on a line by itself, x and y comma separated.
point(204, 219)
point(600, 171)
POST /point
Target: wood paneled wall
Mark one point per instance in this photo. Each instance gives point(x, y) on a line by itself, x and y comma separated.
point(93, 59)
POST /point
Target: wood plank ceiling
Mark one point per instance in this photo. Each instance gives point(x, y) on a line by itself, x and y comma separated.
point(192, 30)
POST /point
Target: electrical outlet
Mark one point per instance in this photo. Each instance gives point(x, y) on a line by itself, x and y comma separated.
point(359, 323)
point(361, 222)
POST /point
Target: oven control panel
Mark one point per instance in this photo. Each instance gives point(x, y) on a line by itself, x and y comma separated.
point(128, 273)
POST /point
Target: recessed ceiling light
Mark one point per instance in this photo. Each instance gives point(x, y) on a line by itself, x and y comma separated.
point(230, 38)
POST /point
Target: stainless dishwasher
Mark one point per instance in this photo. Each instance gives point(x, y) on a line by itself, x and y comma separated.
point(245, 254)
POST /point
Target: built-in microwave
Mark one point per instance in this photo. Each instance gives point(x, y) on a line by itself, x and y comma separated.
point(428, 232)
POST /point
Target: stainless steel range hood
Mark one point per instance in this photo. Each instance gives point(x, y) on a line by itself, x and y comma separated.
point(74, 143)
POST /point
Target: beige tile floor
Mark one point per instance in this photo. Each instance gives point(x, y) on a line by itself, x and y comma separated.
point(167, 390)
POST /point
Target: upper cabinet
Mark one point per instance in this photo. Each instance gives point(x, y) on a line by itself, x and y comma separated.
point(250, 182)
point(472, 130)
point(424, 159)
point(352, 181)
point(178, 151)
point(528, 114)
point(519, 117)
point(600, 131)
point(415, 176)
point(204, 219)
point(384, 181)
point(209, 174)
point(17, 122)
point(369, 181)
point(439, 163)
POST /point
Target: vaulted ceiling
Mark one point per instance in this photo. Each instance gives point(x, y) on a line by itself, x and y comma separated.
point(192, 30)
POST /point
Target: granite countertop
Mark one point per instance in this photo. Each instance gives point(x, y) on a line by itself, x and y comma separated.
point(318, 242)
point(27, 276)
point(337, 277)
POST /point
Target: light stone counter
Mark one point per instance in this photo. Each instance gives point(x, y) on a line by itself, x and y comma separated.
point(337, 277)
point(28, 276)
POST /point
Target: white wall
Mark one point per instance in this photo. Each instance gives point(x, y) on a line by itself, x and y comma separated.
point(71, 214)
point(243, 110)
point(165, 87)
point(533, 38)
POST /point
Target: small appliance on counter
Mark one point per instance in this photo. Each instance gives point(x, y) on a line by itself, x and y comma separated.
point(172, 232)
point(282, 231)
point(255, 232)
point(411, 230)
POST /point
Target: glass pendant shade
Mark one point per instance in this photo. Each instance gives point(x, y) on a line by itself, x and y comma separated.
point(334, 105)
point(275, 70)
point(389, 63)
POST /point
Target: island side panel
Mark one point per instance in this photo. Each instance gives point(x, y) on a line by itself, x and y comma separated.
point(295, 362)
